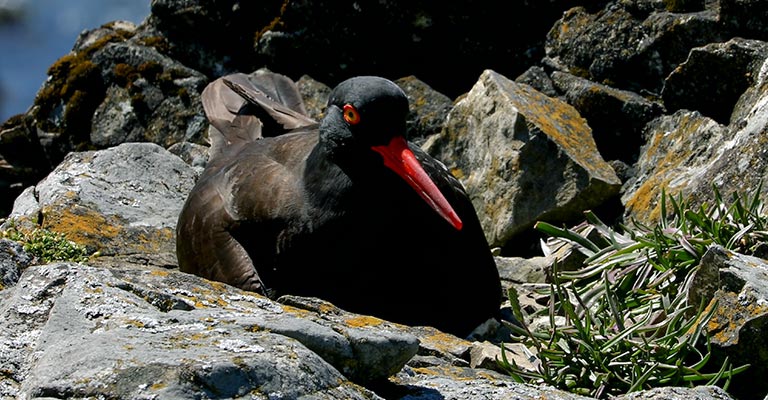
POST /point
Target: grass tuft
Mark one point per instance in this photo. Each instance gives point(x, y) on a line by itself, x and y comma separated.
point(622, 322)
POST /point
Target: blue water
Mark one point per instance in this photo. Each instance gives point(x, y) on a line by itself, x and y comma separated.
point(44, 31)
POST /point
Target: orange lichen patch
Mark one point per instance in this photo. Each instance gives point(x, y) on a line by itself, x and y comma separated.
point(327, 308)
point(158, 272)
point(201, 299)
point(424, 371)
point(106, 233)
point(275, 24)
point(644, 203)
point(299, 312)
point(81, 224)
point(363, 320)
point(218, 286)
point(458, 173)
point(149, 240)
point(134, 322)
point(256, 328)
point(443, 342)
point(96, 290)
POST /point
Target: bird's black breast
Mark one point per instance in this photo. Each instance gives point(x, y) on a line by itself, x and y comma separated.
point(382, 250)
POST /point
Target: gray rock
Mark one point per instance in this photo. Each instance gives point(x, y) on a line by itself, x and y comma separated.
point(458, 383)
point(688, 154)
point(595, 46)
point(680, 149)
point(678, 393)
point(13, 259)
point(738, 327)
point(144, 333)
point(625, 50)
point(196, 155)
point(740, 164)
point(123, 200)
point(150, 97)
point(115, 120)
point(745, 17)
point(315, 96)
point(140, 332)
point(671, 36)
point(428, 109)
point(523, 270)
point(617, 117)
point(362, 347)
point(714, 76)
point(537, 78)
point(26, 205)
point(503, 140)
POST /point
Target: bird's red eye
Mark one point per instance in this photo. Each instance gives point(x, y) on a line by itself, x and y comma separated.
point(351, 115)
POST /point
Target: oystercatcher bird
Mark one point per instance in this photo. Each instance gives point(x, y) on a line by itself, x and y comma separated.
point(345, 210)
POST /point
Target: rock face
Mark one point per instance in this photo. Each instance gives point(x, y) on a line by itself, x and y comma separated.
point(12, 260)
point(738, 326)
point(127, 332)
point(525, 107)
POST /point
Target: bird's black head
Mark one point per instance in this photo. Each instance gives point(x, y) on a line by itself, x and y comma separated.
point(362, 112)
point(363, 132)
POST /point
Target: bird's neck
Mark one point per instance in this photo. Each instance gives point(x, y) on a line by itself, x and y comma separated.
point(326, 182)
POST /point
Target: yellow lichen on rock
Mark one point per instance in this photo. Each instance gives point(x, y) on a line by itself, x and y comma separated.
point(560, 122)
point(81, 225)
point(363, 321)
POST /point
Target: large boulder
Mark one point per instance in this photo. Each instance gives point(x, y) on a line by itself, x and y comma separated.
point(714, 76)
point(617, 117)
point(522, 157)
point(121, 201)
point(129, 332)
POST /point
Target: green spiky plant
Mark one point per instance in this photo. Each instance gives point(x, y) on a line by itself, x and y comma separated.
point(622, 322)
point(47, 246)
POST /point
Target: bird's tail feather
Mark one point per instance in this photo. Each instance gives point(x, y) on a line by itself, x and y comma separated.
point(243, 108)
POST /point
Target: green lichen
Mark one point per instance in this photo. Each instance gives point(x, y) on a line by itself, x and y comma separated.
point(125, 75)
point(157, 42)
point(74, 90)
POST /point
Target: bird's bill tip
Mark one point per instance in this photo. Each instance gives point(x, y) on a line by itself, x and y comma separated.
point(399, 158)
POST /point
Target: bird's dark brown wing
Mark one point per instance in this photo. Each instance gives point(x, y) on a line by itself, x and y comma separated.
point(230, 227)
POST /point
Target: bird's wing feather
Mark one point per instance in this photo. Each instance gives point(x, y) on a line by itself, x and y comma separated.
point(272, 96)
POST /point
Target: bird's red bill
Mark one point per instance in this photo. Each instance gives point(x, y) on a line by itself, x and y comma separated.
point(399, 158)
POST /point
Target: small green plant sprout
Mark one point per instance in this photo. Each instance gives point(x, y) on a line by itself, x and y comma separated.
point(47, 246)
point(622, 322)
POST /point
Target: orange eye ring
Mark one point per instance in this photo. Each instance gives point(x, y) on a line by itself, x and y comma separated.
point(351, 115)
